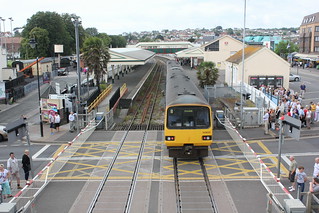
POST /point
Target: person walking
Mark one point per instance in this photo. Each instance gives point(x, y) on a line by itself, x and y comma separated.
point(317, 113)
point(266, 122)
point(52, 122)
point(292, 173)
point(72, 121)
point(26, 165)
point(13, 167)
point(4, 180)
point(302, 90)
point(301, 178)
point(316, 168)
point(57, 120)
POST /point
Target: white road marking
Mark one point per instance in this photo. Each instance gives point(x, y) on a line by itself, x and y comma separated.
point(40, 151)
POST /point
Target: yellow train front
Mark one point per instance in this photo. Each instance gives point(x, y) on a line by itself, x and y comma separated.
point(188, 126)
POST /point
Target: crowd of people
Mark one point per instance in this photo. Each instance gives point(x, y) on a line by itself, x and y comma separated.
point(291, 103)
point(7, 175)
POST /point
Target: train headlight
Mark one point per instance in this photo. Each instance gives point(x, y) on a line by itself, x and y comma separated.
point(207, 137)
point(169, 138)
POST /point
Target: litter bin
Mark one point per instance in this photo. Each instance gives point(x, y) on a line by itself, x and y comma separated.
point(220, 118)
point(98, 117)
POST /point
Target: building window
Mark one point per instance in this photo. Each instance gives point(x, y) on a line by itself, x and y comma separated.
point(316, 38)
point(213, 47)
point(317, 29)
point(316, 49)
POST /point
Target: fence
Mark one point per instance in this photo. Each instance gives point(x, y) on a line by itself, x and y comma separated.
point(267, 178)
point(261, 99)
point(26, 198)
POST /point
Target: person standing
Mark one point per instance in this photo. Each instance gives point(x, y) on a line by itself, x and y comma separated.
point(292, 172)
point(316, 168)
point(26, 165)
point(4, 180)
point(57, 120)
point(308, 118)
point(52, 122)
point(313, 111)
point(301, 178)
point(266, 121)
point(13, 167)
point(72, 121)
point(302, 90)
point(314, 186)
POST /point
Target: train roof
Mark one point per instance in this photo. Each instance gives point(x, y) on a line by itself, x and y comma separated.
point(180, 89)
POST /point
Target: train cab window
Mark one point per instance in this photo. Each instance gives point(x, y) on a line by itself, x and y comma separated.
point(185, 117)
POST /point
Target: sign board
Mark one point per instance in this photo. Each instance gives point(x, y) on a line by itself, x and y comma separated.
point(292, 127)
point(58, 48)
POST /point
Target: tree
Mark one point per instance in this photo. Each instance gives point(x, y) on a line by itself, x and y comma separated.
point(230, 31)
point(53, 23)
point(91, 31)
point(207, 73)
point(96, 57)
point(105, 38)
point(41, 37)
point(285, 47)
point(160, 37)
point(117, 41)
point(191, 40)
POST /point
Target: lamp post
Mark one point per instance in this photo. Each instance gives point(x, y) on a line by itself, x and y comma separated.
point(33, 45)
point(4, 34)
point(76, 21)
point(243, 72)
point(12, 52)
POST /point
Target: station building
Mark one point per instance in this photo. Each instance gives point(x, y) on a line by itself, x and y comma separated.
point(262, 67)
point(217, 51)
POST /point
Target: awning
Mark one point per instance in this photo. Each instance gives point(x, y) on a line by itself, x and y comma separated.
point(311, 57)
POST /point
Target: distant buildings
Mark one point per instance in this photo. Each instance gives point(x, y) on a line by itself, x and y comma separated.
point(309, 34)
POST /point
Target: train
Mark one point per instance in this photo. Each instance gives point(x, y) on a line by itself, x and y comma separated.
point(188, 125)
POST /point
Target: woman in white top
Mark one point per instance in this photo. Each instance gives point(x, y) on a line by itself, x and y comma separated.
point(4, 180)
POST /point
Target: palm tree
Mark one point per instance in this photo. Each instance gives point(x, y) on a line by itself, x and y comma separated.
point(96, 57)
point(207, 73)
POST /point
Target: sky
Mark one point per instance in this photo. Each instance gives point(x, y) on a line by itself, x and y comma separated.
point(118, 16)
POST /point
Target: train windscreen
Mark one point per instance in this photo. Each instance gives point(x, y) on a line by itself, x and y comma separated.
point(188, 117)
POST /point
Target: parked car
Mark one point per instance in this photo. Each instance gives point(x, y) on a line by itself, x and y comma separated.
point(293, 77)
point(63, 71)
point(3, 133)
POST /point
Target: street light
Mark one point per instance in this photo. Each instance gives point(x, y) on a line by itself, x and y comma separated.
point(12, 53)
point(76, 21)
point(4, 34)
point(33, 45)
point(243, 72)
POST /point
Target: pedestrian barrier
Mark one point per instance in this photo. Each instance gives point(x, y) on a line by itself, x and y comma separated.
point(26, 197)
point(267, 178)
point(100, 98)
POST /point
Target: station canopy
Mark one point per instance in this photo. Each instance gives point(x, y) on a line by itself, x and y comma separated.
point(129, 56)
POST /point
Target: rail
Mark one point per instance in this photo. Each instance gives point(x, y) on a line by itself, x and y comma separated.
point(106, 175)
point(183, 191)
point(100, 98)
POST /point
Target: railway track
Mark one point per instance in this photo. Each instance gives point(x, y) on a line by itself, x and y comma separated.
point(193, 196)
point(117, 196)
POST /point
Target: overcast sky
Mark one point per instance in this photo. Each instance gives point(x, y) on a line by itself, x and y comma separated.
point(118, 16)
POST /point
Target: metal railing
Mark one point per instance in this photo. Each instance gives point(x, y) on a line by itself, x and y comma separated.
point(267, 178)
point(100, 98)
point(26, 198)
